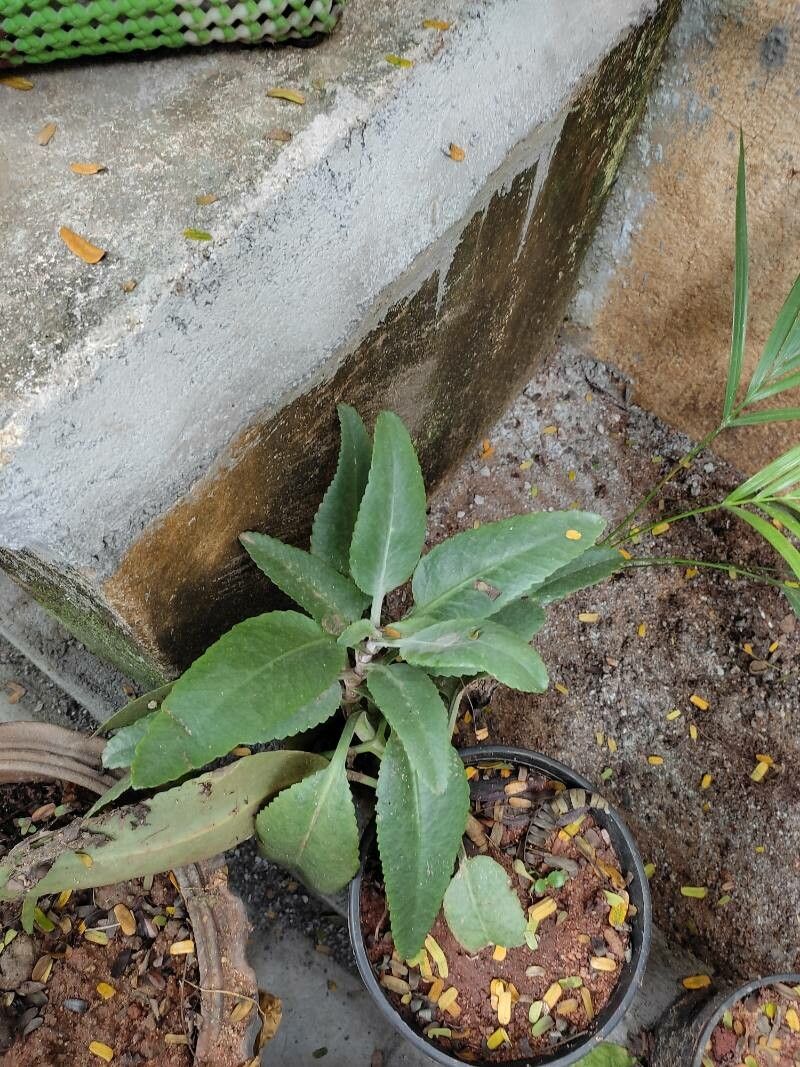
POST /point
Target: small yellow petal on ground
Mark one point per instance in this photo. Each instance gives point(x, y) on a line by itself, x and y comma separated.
point(105, 990)
point(660, 528)
point(573, 535)
point(774, 646)
point(126, 919)
point(292, 96)
point(537, 913)
point(602, 963)
point(673, 715)
point(696, 981)
point(699, 702)
point(649, 869)
point(498, 1038)
point(499, 953)
point(697, 892)
point(46, 134)
point(692, 731)
point(550, 430)
point(600, 738)
point(436, 990)
point(526, 465)
point(588, 616)
point(760, 849)
point(612, 745)
point(561, 688)
point(97, 937)
point(760, 771)
point(396, 985)
point(456, 152)
point(571, 475)
point(748, 648)
point(103, 1052)
point(641, 629)
point(553, 995)
point(706, 780)
point(487, 448)
point(85, 859)
point(182, 948)
point(471, 772)
point(63, 898)
point(504, 1008)
point(655, 761)
point(448, 997)
point(761, 757)
point(625, 553)
point(691, 572)
point(588, 1006)
point(793, 1020)
point(437, 955)
point(435, 24)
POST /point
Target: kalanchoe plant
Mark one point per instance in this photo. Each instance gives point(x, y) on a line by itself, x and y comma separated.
point(394, 685)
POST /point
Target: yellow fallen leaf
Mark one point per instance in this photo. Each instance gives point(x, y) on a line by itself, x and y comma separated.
point(16, 81)
point(456, 152)
point(435, 24)
point(241, 1010)
point(181, 948)
point(103, 1052)
point(573, 535)
point(760, 771)
point(696, 981)
point(45, 135)
point(699, 702)
point(398, 61)
point(290, 95)
point(126, 919)
point(271, 1015)
point(89, 253)
point(205, 199)
point(105, 990)
point(87, 168)
point(588, 616)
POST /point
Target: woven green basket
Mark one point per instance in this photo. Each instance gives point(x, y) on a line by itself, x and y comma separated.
point(39, 31)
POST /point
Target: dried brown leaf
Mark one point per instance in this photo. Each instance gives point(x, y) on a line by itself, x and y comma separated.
point(87, 168)
point(45, 135)
point(456, 152)
point(290, 95)
point(80, 247)
point(277, 133)
point(206, 199)
point(16, 81)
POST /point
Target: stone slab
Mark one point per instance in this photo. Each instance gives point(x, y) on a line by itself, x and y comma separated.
point(144, 430)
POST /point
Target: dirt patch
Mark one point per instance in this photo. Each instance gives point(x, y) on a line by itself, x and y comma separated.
point(99, 975)
point(764, 1026)
point(555, 985)
point(573, 439)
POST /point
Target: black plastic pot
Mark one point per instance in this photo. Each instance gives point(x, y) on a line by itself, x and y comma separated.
point(632, 972)
point(686, 1028)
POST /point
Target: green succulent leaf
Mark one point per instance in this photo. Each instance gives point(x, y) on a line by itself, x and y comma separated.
point(311, 828)
point(410, 703)
point(328, 596)
point(120, 748)
point(136, 709)
point(355, 633)
point(249, 687)
point(419, 833)
point(188, 823)
point(607, 1055)
point(481, 908)
point(333, 526)
point(740, 287)
point(478, 572)
point(390, 528)
point(592, 567)
point(114, 792)
point(473, 646)
point(524, 617)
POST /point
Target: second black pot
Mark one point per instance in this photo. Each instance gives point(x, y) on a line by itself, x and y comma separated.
point(687, 1026)
point(632, 972)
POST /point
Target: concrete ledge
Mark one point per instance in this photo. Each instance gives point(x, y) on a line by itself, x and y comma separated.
point(144, 430)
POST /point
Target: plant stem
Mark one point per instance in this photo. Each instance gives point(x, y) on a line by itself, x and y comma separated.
point(683, 463)
point(375, 747)
point(362, 779)
point(669, 520)
point(455, 704)
point(676, 561)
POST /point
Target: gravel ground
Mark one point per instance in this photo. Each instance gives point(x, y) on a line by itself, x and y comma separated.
point(571, 439)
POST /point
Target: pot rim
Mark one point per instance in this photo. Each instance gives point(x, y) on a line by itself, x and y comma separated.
point(718, 1007)
point(37, 751)
point(639, 960)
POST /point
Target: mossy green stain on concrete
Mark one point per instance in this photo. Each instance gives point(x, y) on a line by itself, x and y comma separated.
point(65, 595)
